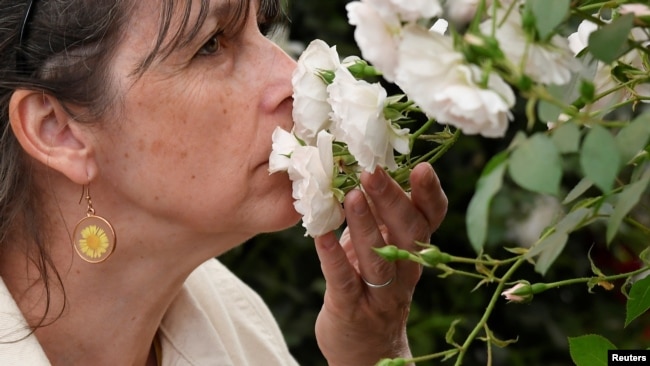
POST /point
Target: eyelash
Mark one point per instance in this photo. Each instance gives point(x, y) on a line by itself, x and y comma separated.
point(265, 27)
point(215, 40)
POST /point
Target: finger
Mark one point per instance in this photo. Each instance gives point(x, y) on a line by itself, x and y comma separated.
point(394, 208)
point(365, 235)
point(341, 279)
point(346, 244)
point(427, 194)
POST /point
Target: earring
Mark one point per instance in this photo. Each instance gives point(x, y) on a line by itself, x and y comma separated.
point(93, 237)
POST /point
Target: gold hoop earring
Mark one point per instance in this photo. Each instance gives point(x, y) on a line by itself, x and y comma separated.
point(93, 237)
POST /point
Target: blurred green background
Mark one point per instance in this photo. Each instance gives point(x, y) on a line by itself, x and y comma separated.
point(284, 269)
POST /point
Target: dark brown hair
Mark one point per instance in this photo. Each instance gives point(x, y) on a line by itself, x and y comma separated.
point(66, 50)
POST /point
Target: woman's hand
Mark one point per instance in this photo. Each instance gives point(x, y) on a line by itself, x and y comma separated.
point(360, 323)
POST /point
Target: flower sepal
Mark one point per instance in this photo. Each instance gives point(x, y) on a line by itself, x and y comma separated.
point(392, 253)
point(523, 291)
point(338, 194)
point(479, 47)
point(432, 256)
point(345, 183)
point(360, 69)
point(326, 75)
point(391, 362)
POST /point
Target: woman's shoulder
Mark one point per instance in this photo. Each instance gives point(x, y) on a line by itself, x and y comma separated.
point(216, 311)
point(214, 280)
point(18, 346)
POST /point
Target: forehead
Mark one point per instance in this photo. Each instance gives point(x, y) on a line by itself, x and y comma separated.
point(162, 26)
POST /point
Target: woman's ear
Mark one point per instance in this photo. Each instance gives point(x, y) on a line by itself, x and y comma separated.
point(49, 134)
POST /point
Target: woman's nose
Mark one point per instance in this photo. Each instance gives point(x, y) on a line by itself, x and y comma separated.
point(280, 67)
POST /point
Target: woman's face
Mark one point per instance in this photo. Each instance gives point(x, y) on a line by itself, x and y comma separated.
point(192, 141)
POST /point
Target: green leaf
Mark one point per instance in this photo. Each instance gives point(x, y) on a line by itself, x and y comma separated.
point(594, 269)
point(590, 350)
point(627, 199)
point(449, 336)
point(567, 138)
point(639, 301)
point(645, 256)
point(610, 42)
point(578, 190)
point(487, 186)
point(640, 168)
point(568, 93)
point(549, 112)
point(573, 220)
point(496, 341)
point(633, 138)
point(600, 159)
point(536, 165)
point(548, 14)
point(551, 246)
point(627, 283)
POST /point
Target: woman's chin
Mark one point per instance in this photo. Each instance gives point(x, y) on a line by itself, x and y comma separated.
point(281, 215)
point(289, 219)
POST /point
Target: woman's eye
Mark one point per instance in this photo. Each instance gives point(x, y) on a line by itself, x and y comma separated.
point(212, 46)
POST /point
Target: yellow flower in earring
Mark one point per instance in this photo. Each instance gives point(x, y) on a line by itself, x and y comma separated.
point(94, 241)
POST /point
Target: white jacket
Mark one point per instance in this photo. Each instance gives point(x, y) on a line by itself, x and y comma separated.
point(216, 319)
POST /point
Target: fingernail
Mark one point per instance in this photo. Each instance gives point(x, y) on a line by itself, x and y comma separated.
point(377, 181)
point(327, 241)
point(360, 208)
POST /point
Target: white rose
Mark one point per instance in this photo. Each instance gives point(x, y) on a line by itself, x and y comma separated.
point(579, 40)
point(636, 58)
point(461, 11)
point(440, 26)
point(358, 116)
point(638, 10)
point(412, 10)
point(435, 76)
point(377, 35)
point(549, 62)
point(310, 108)
point(603, 80)
point(312, 171)
point(473, 109)
point(284, 143)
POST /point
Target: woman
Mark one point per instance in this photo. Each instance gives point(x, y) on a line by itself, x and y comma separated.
point(159, 114)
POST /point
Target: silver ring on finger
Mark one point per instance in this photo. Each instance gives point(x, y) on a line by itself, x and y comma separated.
point(373, 285)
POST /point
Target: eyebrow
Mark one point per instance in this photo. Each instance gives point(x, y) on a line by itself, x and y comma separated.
point(232, 14)
point(229, 14)
point(169, 40)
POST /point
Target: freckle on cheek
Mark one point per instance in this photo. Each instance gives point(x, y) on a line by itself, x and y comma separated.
point(194, 177)
point(157, 147)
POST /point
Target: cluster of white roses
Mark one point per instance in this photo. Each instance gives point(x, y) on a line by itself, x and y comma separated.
point(603, 78)
point(462, 80)
point(334, 112)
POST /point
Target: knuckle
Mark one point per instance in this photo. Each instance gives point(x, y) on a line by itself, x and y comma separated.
point(390, 199)
point(418, 231)
point(348, 285)
point(380, 266)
